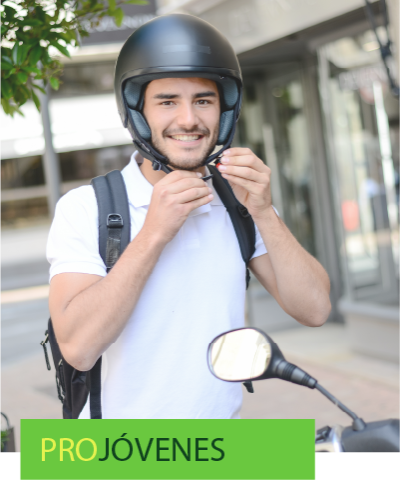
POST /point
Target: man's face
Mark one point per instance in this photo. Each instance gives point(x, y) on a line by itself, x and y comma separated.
point(183, 114)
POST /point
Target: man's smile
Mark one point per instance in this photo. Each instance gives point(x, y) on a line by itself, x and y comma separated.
point(187, 139)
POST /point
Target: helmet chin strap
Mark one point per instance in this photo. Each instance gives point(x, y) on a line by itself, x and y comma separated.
point(157, 166)
point(159, 162)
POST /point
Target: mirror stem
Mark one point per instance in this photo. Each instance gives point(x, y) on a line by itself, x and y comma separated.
point(358, 423)
point(289, 372)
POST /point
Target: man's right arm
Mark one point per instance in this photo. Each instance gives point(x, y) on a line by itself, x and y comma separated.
point(89, 311)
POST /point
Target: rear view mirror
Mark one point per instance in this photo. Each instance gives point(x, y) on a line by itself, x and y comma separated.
point(239, 355)
point(247, 354)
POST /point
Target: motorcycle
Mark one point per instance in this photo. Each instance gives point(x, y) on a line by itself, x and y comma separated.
point(248, 354)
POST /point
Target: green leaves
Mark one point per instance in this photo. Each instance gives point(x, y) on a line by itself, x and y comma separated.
point(6, 90)
point(39, 88)
point(14, 53)
point(19, 53)
point(118, 16)
point(54, 83)
point(6, 106)
point(61, 49)
point(35, 54)
point(22, 77)
point(9, 13)
point(32, 22)
point(31, 70)
point(5, 66)
point(28, 34)
point(35, 100)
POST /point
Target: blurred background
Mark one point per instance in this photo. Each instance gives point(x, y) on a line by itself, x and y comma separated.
point(319, 110)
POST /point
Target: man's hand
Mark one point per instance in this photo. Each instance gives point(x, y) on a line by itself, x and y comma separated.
point(295, 279)
point(249, 178)
point(174, 197)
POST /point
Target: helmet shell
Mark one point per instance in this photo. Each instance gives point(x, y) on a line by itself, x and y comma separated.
point(170, 46)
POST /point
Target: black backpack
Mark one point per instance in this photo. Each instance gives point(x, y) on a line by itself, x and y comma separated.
point(74, 386)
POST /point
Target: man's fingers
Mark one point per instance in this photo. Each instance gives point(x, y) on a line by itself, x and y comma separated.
point(245, 161)
point(198, 202)
point(249, 185)
point(244, 172)
point(193, 194)
point(237, 151)
point(185, 184)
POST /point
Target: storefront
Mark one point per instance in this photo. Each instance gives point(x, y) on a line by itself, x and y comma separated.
point(361, 124)
point(318, 110)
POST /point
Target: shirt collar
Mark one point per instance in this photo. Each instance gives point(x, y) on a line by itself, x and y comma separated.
point(140, 190)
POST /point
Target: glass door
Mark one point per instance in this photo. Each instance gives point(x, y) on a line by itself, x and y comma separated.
point(288, 153)
point(274, 125)
point(364, 168)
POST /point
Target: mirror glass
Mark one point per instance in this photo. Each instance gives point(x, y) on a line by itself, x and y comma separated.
point(240, 355)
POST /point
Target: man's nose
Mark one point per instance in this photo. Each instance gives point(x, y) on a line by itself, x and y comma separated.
point(187, 117)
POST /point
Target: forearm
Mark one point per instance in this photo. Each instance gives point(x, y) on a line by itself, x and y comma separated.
point(295, 278)
point(301, 282)
point(96, 316)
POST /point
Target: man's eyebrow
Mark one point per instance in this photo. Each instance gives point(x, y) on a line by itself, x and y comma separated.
point(205, 94)
point(166, 96)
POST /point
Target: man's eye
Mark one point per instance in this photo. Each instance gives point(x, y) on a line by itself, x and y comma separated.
point(167, 102)
point(203, 102)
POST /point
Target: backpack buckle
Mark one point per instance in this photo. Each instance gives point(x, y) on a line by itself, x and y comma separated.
point(243, 211)
point(114, 220)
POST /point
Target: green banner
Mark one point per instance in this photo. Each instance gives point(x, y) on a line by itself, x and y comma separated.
point(167, 449)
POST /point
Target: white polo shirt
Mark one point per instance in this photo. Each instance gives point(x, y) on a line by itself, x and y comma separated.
point(158, 367)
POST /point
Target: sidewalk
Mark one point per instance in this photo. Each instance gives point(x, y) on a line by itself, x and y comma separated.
point(367, 386)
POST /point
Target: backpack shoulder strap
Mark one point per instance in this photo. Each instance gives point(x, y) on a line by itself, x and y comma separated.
point(114, 217)
point(240, 217)
point(114, 237)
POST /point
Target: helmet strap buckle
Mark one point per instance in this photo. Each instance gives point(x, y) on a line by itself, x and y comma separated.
point(156, 165)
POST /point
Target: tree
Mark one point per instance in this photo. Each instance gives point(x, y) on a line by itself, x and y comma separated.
point(33, 30)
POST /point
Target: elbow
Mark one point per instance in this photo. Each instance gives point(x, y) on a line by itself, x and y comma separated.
point(321, 313)
point(74, 357)
point(315, 313)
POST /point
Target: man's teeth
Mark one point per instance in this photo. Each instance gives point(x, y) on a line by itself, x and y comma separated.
point(186, 138)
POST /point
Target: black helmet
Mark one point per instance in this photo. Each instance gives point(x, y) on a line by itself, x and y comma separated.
point(176, 45)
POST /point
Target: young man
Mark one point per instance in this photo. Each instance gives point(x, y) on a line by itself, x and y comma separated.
point(180, 282)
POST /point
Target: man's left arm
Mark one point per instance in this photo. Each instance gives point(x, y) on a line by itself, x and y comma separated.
point(295, 278)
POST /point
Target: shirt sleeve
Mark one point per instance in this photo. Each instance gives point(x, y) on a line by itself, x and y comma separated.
point(73, 245)
point(260, 247)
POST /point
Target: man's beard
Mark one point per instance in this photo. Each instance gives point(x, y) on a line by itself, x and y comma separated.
point(200, 162)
